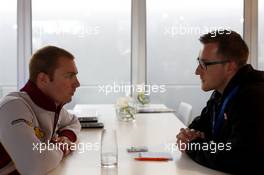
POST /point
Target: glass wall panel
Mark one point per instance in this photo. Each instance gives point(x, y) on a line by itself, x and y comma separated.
point(173, 30)
point(8, 46)
point(261, 35)
point(96, 32)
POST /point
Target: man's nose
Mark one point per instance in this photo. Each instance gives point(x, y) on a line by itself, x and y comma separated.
point(198, 70)
point(77, 83)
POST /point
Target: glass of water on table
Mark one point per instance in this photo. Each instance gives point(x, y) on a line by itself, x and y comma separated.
point(109, 149)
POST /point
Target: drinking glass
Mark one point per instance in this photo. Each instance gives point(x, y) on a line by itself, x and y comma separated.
point(109, 150)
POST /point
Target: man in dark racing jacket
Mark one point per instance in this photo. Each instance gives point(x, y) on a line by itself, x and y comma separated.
point(228, 135)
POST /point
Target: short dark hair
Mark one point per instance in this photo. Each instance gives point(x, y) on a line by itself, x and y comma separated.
point(45, 60)
point(230, 45)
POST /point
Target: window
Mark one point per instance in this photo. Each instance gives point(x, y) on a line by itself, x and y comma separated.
point(8, 46)
point(261, 35)
point(96, 32)
point(173, 29)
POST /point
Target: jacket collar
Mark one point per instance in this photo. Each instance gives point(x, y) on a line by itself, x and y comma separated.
point(238, 78)
point(40, 98)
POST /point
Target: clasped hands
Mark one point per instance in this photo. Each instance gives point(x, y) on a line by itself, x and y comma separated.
point(186, 135)
point(64, 144)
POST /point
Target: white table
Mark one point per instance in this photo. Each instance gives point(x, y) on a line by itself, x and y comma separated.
point(156, 131)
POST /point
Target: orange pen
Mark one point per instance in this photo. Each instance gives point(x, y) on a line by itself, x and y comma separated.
point(152, 159)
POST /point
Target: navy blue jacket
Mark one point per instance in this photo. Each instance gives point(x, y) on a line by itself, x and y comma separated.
point(239, 146)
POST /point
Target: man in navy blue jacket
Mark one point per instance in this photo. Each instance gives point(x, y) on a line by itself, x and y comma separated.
point(228, 135)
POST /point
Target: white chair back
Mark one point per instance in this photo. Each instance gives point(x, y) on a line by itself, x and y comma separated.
point(184, 113)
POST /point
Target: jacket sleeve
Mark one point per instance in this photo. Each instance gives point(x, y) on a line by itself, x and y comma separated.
point(18, 137)
point(242, 138)
point(68, 125)
point(203, 122)
point(206, 152)
point(218, 156)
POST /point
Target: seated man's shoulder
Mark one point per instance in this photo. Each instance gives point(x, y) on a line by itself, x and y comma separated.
point(14, 109)
point(11, 97)
point(253, 84)
point(255, 79)
point(14, 103)
point(253, 89)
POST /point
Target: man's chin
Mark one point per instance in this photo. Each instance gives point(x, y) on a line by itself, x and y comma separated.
point(68, 100)
point(205, 88)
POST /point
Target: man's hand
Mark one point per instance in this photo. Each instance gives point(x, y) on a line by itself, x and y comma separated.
point(64, 144)
point(185, 136)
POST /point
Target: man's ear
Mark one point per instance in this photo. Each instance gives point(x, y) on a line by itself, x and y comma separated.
point(42, 79)
point(232, 67)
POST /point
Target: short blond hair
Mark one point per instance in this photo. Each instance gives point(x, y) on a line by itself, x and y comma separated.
point(45, 60)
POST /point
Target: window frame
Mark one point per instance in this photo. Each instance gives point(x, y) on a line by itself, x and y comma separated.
point(138, 38)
